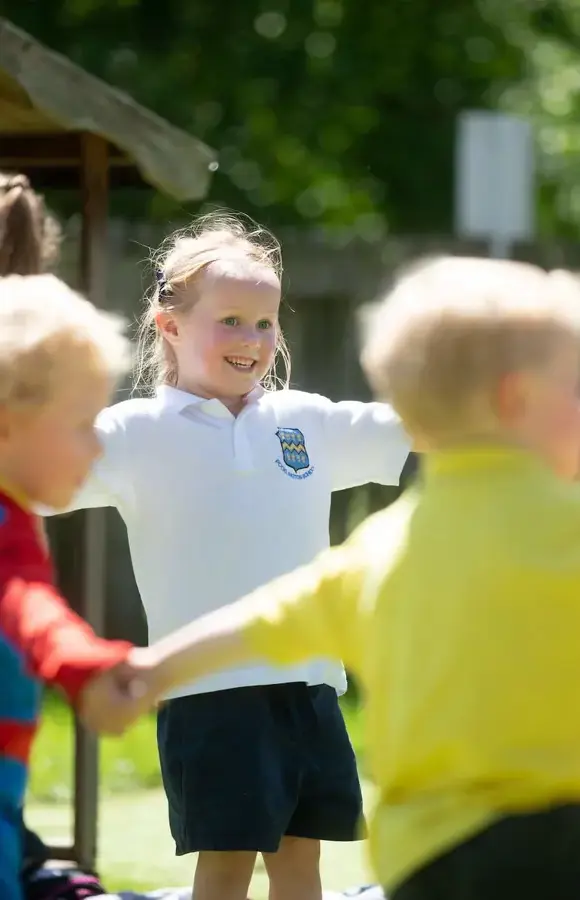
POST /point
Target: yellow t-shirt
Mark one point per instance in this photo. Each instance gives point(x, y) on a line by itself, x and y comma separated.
point(459, 610)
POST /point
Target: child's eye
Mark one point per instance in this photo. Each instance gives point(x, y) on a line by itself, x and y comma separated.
point(230, 320)
point(264, 324)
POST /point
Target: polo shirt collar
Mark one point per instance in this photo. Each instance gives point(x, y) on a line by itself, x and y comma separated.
point(175, 399)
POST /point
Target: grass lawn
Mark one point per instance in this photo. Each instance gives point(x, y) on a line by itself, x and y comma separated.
point(135, 849)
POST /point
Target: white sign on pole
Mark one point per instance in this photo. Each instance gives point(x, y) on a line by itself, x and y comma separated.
point(494, 179)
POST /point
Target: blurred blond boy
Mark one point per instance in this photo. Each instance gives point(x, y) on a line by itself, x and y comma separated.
point(458, 608)
point(59, 360)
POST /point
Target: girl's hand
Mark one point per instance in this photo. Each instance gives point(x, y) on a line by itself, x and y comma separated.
point(115, 699)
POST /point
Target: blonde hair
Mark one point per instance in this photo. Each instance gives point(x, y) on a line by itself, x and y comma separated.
point(453, 327)
point(219, 238)
point(29, 235)
point(45, 329)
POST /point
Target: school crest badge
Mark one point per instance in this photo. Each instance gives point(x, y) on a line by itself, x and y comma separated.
point(294, 452)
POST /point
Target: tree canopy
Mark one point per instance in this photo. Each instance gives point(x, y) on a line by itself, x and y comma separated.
point(338, 113)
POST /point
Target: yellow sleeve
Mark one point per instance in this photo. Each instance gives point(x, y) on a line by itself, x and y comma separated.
point(312, 612)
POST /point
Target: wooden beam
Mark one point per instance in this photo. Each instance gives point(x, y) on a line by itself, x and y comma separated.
point(95, 157)
point(95, 198)
point(61, 149)
point(54, 161)
point(47, 178)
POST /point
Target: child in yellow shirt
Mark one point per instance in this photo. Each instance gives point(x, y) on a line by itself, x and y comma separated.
point(458, 608)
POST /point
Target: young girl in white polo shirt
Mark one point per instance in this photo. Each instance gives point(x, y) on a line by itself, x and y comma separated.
point(225, 483)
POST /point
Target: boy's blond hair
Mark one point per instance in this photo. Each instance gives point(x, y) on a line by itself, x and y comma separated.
point(220, 241)
point(451, 328)
point(47, 333)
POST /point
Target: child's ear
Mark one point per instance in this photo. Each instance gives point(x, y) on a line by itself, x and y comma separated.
point(167, 325)
point(511, 397)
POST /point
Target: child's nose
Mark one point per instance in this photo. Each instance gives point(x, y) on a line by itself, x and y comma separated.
point(251, 337)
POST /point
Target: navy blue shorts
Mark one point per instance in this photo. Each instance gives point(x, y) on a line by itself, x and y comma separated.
point(244, 767)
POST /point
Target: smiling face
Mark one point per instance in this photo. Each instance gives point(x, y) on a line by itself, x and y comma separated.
point(225, 341)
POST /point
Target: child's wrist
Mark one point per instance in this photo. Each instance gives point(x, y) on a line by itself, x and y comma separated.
point(150, 672)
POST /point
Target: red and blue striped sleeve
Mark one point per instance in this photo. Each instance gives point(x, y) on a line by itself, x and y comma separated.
point(56, 645)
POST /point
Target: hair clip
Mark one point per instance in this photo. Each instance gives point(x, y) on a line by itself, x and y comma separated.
point(164, 289)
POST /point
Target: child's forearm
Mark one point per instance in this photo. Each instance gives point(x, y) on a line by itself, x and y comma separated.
point(58, 647)
point(213, 642)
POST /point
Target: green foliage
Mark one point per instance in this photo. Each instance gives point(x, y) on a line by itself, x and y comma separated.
point(334, 113)
point(549, 96)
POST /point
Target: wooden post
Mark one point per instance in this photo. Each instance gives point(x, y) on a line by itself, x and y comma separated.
point(95, 196)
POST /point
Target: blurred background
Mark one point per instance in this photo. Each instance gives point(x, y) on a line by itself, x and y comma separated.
point(338, 125)
point(334, 116)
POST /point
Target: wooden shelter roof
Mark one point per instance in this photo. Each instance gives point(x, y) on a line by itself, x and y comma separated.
point(47, 102)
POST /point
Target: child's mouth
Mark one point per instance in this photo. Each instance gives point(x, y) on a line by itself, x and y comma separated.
point(241, 363)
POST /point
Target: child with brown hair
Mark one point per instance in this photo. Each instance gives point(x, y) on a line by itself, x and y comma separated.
point(459, 606)
point(29, 235)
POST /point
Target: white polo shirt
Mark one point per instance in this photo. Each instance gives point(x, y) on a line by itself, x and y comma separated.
point(217, 505)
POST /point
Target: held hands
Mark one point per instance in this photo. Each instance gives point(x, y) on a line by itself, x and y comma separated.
point(115, 699)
